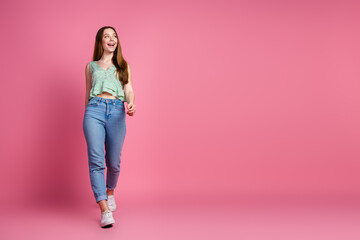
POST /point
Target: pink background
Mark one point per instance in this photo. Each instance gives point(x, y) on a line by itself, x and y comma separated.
point(237, 101)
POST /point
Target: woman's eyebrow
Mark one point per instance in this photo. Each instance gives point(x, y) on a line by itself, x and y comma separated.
point(108, 34)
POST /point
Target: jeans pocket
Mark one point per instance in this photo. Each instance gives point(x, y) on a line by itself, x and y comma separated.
point(92, 103)
point(119, 105)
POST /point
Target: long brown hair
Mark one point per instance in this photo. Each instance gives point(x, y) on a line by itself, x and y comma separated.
point(118, 60)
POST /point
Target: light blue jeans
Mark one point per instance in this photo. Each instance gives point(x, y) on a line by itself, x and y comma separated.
point(104, 125)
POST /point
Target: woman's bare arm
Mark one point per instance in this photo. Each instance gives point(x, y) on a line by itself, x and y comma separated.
point(128, 89)
point(88, 83)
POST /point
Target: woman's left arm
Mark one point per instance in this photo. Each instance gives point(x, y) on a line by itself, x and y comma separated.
point(129, 94)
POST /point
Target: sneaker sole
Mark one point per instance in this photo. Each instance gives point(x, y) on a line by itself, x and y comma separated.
point(112, 209)
point(107, 224)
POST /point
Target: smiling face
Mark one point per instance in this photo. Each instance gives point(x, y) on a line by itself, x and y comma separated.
point(109, 40)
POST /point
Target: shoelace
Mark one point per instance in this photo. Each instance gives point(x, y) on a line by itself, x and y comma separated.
point(107, 213)
point(111, 200)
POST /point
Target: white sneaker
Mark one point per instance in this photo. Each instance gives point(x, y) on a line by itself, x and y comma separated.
point(106, 218)
point(111, 202)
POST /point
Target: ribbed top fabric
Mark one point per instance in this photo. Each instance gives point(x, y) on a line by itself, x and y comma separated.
point(105, 80)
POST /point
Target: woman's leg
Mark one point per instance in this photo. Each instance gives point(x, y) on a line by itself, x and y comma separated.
point(115, 129)
point(94, 131)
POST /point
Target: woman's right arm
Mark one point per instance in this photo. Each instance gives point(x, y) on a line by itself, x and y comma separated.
point(88, 83)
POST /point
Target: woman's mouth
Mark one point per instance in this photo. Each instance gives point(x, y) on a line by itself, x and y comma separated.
point(111, 44)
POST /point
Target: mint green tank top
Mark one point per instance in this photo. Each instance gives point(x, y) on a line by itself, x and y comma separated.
point(105, 81)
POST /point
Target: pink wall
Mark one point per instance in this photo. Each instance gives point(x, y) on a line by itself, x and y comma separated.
point(234, 98)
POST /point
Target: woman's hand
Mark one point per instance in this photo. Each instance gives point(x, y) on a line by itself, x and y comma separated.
point(131, 109)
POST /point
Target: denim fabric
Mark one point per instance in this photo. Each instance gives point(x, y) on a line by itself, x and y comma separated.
point(104, 125)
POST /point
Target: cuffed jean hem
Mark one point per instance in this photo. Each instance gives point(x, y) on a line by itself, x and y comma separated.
point(102, 197)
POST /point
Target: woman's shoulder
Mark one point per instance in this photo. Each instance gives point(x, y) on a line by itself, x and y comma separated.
point(90, 64)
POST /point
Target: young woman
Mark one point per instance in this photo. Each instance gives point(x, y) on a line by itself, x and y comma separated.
point(108, 86)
